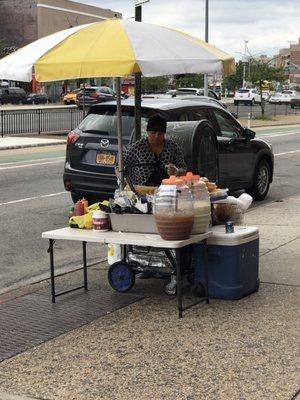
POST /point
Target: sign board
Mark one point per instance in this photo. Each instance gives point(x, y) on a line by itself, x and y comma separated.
point(140, 2)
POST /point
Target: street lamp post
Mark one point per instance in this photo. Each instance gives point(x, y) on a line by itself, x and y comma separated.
point(206, 39)
point(138, 80)
point(244, 64)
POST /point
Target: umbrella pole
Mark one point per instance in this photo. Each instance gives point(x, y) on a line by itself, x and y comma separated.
point(119, 131)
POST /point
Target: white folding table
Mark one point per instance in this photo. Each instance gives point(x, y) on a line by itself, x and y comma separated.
point(126, 238)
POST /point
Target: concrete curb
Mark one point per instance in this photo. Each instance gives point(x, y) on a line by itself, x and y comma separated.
point(8, 147)
point(8, 396)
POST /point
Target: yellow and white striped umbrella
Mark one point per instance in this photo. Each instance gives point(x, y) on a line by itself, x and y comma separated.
point(114, 48)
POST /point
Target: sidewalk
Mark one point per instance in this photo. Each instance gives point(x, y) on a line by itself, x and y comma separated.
point(18, 142)
point(228, 350)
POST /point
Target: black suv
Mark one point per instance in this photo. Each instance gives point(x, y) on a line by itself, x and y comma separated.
point(212, 140)
point(94, 95)
point(13, 95)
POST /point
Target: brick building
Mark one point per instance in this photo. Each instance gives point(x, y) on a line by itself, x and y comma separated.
point(290, 59)
point(23, 21)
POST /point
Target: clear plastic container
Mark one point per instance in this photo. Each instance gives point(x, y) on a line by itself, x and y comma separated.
point(202, 207)
point(173, 209)
point(225, 212)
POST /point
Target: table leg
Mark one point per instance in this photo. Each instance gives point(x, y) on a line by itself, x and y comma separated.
point(179, 282)
point(206, 272)
point(50, 250)
point(85, 281)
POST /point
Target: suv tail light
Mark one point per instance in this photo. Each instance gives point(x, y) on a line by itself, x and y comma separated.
point(72, 137)
point(249, 94)
point(68, 184)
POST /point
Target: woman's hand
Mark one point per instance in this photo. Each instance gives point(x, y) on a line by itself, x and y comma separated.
point(172, 170)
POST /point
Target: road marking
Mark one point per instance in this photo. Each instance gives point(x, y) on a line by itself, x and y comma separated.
point(287, 152)
point(33, 198)
point(30, 165)
point(33, 160)
point(276, 134)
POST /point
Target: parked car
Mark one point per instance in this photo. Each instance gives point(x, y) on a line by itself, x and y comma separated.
point(37, 98)
point(70, 98)
point(247, 96)
point(13, 95)
point(195, 91)
point(241, 162)
point(206, 99)
point(295, 101)
point(93, 95)
point(265, 95)
point(283, 97)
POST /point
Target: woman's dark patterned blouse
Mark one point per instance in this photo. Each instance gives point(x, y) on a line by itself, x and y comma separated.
point(144, 162)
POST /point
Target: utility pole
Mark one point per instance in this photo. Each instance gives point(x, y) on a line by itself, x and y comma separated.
point(244, 64)
point(206, 39)
point(138, 80)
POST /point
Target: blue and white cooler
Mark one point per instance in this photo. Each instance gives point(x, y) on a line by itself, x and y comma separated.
point(233, 260)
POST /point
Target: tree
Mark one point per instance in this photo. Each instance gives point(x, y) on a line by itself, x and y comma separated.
point(190, 80)
point(262, 70)
point(155, 84)
point(235, 80)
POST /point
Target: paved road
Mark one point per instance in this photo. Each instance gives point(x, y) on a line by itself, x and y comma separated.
point(33, 200)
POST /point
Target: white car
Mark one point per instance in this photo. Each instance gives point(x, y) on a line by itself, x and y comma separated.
point(247, 96)
point(283, 97)
point(265, 95)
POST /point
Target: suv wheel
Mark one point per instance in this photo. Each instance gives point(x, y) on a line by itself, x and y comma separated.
point(261, 181)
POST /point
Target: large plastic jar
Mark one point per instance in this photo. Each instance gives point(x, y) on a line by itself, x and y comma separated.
point(202, 207)
point(173, 209)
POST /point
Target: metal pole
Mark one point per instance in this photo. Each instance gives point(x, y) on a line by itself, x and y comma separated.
point(138, 88)
point(119, 130)
point(244, 66)
point(206, 39)
point(83, 106)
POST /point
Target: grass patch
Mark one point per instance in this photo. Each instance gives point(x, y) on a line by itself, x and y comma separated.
point(264, 118)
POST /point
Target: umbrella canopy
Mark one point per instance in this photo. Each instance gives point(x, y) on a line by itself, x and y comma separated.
point(114, 48)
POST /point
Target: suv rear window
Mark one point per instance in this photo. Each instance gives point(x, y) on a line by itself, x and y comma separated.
point(105, 123)
point(243, 91)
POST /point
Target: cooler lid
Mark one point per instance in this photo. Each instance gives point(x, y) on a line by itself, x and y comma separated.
point(241, 234)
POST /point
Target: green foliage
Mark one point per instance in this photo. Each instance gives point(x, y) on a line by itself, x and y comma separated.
point(191, 80)
point(263, 70)
point(234, 81)
point(162, 83)
point(155, 84)
point(255, 70)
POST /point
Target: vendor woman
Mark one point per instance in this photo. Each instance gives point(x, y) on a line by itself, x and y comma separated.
point(154, 158)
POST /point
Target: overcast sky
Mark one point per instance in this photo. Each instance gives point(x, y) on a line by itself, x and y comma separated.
point(268, 25)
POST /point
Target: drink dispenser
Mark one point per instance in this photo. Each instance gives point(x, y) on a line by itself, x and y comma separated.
point(173, 209)
point(202, 207)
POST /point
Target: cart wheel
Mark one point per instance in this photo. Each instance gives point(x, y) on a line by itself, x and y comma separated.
point(121, 276)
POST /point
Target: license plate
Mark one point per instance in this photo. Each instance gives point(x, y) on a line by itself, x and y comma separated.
point(105, 158)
